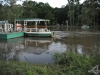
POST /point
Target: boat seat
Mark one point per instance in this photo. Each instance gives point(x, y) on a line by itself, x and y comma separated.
point(46, 29)
point(33, 30)
point(28, 30)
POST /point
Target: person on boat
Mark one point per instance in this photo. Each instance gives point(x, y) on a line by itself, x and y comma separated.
point(18, 27)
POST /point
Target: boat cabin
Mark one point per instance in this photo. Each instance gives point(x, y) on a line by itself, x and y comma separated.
point(5, 27)
point(31, 24)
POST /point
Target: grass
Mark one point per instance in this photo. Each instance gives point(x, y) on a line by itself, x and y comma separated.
point(68, 63)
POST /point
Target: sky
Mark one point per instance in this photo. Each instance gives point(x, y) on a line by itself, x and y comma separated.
point(54, 3)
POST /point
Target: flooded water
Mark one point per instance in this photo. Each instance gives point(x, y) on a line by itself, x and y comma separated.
point(41, 50)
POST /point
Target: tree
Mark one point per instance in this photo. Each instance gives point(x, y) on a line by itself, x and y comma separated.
point(9, 10)
point(29, 9)
point(1, 12)
point(89, 12)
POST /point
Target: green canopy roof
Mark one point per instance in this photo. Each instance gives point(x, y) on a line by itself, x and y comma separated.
point(3, 22)
point(31, 19)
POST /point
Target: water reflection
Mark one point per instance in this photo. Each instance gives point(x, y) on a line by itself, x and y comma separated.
point(10, 48)
point(41, 50)
point(37, 45)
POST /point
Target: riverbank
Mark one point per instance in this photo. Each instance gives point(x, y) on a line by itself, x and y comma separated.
point(65, 64)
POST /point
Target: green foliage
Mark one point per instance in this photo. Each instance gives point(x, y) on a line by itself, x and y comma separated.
point(77, 64)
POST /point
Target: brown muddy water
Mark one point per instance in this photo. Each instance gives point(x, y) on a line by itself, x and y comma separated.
point(41, 50)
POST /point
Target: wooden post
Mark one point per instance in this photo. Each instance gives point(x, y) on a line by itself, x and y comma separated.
point(67, 22)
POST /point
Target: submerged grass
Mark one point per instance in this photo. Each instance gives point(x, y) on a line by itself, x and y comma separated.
point(69, 63)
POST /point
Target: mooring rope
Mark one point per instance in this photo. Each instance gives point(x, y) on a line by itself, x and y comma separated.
point(27, 59)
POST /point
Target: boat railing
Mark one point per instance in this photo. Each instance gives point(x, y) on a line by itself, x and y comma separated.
point(31, 29)
point(36, 30)
point(6, 28)
point(33, 26)
point(1, 29)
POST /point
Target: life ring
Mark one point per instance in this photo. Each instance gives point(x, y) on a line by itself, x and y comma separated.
point(18, 27)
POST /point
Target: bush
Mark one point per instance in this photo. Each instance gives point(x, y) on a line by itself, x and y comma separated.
point(77, 64)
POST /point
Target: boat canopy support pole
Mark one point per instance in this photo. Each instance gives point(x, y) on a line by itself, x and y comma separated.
point(25, 26)
point(45, 23)
point(16, 22)
point(5, 28)
point(15, 25)
point(36, 25)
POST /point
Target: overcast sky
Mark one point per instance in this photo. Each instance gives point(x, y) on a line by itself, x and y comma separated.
point(54, 3)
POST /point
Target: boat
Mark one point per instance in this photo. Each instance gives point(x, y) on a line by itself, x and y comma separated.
point(34, 27)
point(85, 27)
point(7, 31)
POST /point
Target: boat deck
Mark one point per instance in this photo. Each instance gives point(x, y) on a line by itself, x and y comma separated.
point(11, 35)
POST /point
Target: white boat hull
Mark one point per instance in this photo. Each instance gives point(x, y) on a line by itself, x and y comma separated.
point(47, 34)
